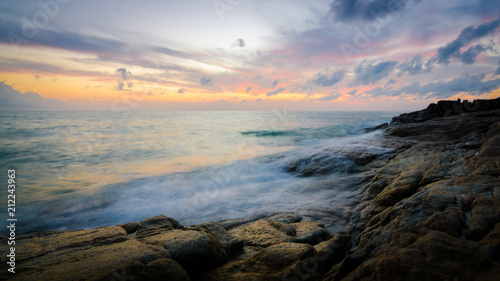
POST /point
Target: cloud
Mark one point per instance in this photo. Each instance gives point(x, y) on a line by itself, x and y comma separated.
point(239, 43)
point(390, 82)
point(331, 96)
point(352, 92)
point(471, 84)
point(467, 36)
point(248, 89)
point(369, 73)
point(275, 82)
point(181, 91)
point(323, 80)
point(205, 80)
point(350, 10)
point(275, 92)
point(416, 66)
point(497, 71)
point(11, 99)
point(123, 78)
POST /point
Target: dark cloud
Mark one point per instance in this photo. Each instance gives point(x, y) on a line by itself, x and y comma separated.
point(369, 73)
point(352, 92)
point(275, 92)
point(205, 80)
point(390, 82)
point(416, 66)
point(497, 71)
point(180, 91)
point(248, 89)
point(467, 36)
point(275, 82)
point(239, 43)
point(11, 99)
point(471, 84)
point(331, 96)
point(59, 39)
point(123, 77)
point(323, 80)
point(349, 10)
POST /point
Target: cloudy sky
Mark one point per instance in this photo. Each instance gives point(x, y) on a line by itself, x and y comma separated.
point(247, 54)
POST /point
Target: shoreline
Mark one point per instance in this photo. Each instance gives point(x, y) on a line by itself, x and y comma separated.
point(430, 211)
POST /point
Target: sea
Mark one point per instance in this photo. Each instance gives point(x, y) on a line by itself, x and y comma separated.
point(79, 170)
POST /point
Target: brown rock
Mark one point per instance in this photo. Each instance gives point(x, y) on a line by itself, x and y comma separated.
point(156, 225)
point(192, 249)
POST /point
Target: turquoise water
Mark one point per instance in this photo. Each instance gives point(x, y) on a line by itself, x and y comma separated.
point(86, 169)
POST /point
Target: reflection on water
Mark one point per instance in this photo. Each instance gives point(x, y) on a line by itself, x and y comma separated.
point(107, 157)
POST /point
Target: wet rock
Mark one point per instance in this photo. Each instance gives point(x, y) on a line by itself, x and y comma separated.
point(231, 244)
point(264, 233)
point(130, 227)
point(89, 262)
point(401, 187)
point(156, 225)
point(277, 262)
point(332, 252)
point(192, 249)
point(310, 232)
point(451, 221)
point(160, 270)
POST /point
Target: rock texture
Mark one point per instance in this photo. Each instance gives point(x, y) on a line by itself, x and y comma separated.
point(431, 212)
point(160, 248)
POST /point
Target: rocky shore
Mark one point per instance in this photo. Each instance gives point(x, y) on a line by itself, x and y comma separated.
point(431, 211)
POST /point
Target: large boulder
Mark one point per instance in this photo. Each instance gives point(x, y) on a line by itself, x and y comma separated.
point(193, 248)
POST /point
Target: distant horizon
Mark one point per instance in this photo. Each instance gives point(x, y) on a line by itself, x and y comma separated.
point(320, 55)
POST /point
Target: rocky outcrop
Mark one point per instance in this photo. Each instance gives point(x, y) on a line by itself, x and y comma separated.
point(447, 108)
point(432, 212)
point(160, 248)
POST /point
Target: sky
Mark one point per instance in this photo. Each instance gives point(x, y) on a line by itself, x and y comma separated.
point(397, 55)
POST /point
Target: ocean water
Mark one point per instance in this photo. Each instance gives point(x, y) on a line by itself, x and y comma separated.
point(79, 170)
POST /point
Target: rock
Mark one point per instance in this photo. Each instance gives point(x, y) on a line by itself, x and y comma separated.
point(192, 249)
point(332, 252)
point(89, 262)
point(451, 221)
point(232, 245)
point(401, 187)
point(483, 218)
point(130, 227)
point(264, 233)
point(156, 225)
point(277, 262)
point(378, 127)
point(228, 224)
point(39, 244)
point(160, 270)
point(310, 232)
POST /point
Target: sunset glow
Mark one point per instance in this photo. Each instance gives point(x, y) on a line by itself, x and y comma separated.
point(258, 55)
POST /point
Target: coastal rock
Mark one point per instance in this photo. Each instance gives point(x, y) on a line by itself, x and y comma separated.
point(264, 233)
point(277, 262)
point(156, 225)
point(231, 244)
point(89, 262)
point(34, 245)
point(160, 270)
point(401, 187)
point(193, 249)
point(310, 232)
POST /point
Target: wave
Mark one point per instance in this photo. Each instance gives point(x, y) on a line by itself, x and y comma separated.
point(269, 133)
